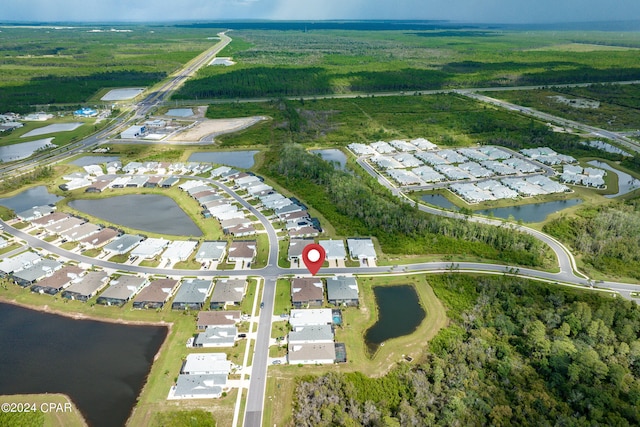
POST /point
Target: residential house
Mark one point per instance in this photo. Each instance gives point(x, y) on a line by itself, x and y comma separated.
point(311, 354)
point(228, 292)
point(30, 275)
point(311, 334)
point(192, 294)
point(242, 251)
point(342, 290)
point(309, 317)
point(307, 292)
point(122, 290)
point(92, 283)
point(208, 319)
point(155, 294)
point(216, 336)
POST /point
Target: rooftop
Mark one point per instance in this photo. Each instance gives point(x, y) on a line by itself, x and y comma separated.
point(157, 291)
point(334, 249)
point(342, 288)
point(307, 289)
point(193, 291)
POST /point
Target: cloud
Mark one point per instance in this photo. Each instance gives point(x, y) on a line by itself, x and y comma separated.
point(488, 11)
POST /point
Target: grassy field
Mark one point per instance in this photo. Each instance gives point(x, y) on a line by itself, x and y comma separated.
point(291, 63)
point(281, 382)
point(41, 66)
point(47, 410)
point(610, 114)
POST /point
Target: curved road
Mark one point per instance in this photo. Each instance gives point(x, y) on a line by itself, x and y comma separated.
point(568, 273)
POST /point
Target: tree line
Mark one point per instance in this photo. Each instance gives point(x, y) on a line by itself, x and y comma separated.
point(355, 205)
point(516, 353)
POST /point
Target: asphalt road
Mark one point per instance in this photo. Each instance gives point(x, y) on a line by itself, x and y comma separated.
point(598, 132)
point(255, 398)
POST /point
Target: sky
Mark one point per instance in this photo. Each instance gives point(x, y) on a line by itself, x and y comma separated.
point(471, 11)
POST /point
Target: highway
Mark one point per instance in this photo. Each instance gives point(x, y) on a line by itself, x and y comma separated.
point(253, 417)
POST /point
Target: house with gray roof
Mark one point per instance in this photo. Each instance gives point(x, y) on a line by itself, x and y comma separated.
point(307, 292)
point(216, 336)
point(207, 386)
point(155, 294)
point(18, 262)
point(211, 251)
point(311, 354)
point(169, 182)
point(30, 275)
point(58, 280)
point(295, 249)
point(92, 283)
point(342, 290)
point(122, 290)
point(64, 226)
point(35, 212)
point(80, 232)
point(137, 181)
point(334, 249)
point(361, 249)
point(312, 334)
point(123, 244)
point(227, 292)
point(192, 294)
point(280, 212)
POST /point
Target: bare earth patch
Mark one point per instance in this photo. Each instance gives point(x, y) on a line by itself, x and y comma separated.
point(205, 130)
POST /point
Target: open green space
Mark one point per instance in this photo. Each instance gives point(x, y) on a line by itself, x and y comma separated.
point(356, 321)
point(515, 352)
point(44, 410)
point(609, 114)
point(72, 66)
point(290, 63)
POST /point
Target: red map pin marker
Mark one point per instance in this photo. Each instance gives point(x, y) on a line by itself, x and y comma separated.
point(313, 256)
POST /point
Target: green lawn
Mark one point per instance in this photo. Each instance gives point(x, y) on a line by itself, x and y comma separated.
point(283, 297)
point(63, 413)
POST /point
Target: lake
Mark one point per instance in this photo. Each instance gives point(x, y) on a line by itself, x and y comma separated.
point(239, 159)
point(626, 183)
point(535, 212)
point(332, 155)
point(93, 160)
point(13, 152)
point(101, 366)
point(438, 200)
point(399, 314)
point(146, 212)
point(34, 196)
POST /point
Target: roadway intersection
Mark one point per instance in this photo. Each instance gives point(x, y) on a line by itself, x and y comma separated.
point(567, 274)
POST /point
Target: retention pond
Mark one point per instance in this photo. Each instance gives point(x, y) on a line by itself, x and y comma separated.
point(146, 212)
point(399, 314)
point(101, 366)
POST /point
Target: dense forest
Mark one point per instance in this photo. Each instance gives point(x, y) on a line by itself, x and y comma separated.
point(357, 207)
point(516, 353)
point(70, 89)
point(608, 237)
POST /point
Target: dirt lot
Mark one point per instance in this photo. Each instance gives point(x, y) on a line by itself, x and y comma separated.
point(205, 130)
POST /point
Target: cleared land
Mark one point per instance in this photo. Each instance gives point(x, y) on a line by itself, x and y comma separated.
point(208, 129)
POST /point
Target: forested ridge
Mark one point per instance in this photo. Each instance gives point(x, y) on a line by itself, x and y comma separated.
point(355, 206)
point(516, 353)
